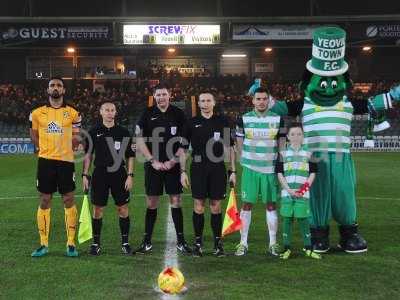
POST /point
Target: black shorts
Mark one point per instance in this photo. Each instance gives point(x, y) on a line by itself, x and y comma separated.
point(208, 180)
point(53, 175)
point(103, 182)
point(155, 181)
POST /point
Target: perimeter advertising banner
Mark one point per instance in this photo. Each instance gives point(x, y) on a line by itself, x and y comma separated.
point(173, 34)
point(272, 32)
point(16, 148)
point(379, 32)
point(54, 34)
point(387, 31)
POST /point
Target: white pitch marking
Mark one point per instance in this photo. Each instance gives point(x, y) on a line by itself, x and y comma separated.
point(170, 254)
point(142, 195)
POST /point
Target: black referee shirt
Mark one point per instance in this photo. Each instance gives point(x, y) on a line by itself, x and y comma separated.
point(162, 128)
point(207, 136)
point(104, 140)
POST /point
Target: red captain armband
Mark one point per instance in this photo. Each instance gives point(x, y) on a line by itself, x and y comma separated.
point(304, 188)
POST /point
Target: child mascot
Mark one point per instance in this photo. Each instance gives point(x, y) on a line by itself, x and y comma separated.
point(326, 115)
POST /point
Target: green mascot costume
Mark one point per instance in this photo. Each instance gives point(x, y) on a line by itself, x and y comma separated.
point(326, 114)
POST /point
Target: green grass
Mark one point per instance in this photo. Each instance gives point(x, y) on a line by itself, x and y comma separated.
point(256, 276)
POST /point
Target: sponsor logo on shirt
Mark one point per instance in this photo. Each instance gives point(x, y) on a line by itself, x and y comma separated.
point(54, 128)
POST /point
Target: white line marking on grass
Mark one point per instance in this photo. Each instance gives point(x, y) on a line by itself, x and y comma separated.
point(170, 254)
point(378, 198)
point(186, 195)
point(58, 196)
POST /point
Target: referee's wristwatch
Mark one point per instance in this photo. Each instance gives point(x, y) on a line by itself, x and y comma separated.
point(86, 175)
point(131, 175)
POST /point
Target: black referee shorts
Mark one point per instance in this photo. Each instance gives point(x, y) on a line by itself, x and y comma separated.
point(53, 175)
point(103, 182)
point(208, 180)
point(155, 181)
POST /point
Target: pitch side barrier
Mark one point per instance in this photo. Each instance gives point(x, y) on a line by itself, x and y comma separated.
point(16, 145)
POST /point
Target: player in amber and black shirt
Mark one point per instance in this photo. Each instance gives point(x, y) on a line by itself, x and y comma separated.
point(208, 135)
point(54, 130)
point(158, 137)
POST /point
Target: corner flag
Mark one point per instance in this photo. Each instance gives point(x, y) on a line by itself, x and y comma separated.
point(232, 221)
point(85, 222)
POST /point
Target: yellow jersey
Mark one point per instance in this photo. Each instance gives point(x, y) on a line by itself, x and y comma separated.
point(55, 127)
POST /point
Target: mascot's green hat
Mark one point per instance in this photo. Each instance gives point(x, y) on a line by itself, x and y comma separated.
point(328, 52)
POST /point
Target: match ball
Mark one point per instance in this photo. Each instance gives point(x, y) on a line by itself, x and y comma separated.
point(171, 280)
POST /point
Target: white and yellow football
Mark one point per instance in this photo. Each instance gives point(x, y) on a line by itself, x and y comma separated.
point(171, 281)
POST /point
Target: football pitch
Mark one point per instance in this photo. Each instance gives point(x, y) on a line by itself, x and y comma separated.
point(256, 276)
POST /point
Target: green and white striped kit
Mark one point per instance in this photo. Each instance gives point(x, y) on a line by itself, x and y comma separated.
point(296, 169)
point(259, 151)
point(327, 128)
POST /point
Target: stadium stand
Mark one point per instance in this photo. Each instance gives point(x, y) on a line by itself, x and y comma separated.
point(16, 101)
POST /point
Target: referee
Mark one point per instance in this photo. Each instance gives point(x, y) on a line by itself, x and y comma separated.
point(109, 143)
point(209, 135)
point(158, 137)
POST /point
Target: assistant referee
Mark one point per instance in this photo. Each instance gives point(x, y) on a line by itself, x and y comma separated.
point(110, 144)
point(208, 134)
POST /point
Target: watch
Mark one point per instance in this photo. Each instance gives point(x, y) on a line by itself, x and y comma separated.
point(131, 174)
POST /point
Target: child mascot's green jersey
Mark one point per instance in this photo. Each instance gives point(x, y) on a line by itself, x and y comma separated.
point(326, 114)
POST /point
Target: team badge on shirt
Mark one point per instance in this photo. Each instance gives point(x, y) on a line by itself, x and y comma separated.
point(173, 130)
point(137, 130)
point(117, 145)
point(217, 136)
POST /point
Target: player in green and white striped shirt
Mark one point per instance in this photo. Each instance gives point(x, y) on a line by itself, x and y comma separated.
point(296, 173)
point(257, 133)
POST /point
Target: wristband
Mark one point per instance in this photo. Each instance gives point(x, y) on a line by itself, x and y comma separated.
point(304, 188)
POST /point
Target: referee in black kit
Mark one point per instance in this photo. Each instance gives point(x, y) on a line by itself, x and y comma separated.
point(209, 136)
point(158, 137)
point(109, 143)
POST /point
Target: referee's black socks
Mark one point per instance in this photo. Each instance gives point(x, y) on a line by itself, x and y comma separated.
point(124, 225)
point(96, 228)
point(216, 225)
point(150, 220)
point(177, 217)
point(198, 225)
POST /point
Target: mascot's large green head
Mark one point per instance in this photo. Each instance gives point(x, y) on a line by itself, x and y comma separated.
point(326, 79)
